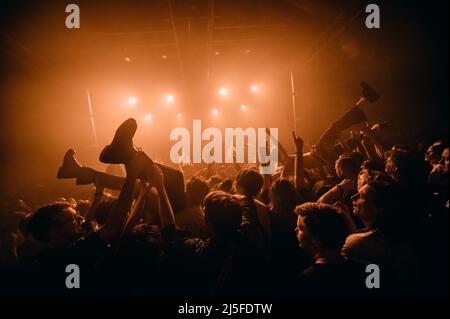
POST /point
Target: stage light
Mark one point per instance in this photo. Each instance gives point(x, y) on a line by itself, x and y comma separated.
point(215, 112)
point(170, 98)
point(243, 107)
point(223, 91)
point(127, 59)
point(248, 51)
point(164, 57)
point(148, 117)
point(132, 101)
point(217, 53)
point(254, 88)
point(179, 115)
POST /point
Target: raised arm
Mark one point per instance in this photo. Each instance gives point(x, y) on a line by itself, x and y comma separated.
point(166, 215)
point(369, 148)
point(373, 134)
point(337, 193)
point(136, 211)
point(117, 217)
point(96, 200)
point(299, 177)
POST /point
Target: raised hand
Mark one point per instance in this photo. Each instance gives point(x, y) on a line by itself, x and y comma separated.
point(347, 185)
point(298, 142)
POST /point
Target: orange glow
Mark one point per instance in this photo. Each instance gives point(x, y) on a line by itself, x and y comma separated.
point(132, 101)
point(170, 98)
point(223, 91)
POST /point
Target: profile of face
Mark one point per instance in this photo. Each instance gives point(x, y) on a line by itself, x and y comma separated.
point(305, 239)
point(69, 225)
point(445, 158)
point(432, 156)
point(363, 205)
point(390, 166)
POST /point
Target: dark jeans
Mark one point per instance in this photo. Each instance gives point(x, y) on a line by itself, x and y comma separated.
point(327, 140)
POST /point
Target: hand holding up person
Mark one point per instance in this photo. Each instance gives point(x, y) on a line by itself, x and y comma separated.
point(117, 218)
point(166, 215)
point(136, 212)
point(96, 200)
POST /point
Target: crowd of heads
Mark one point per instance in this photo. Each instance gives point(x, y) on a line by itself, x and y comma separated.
point(297, 227)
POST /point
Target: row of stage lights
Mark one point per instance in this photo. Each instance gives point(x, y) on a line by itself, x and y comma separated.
point(215, 112)
point(170, 98)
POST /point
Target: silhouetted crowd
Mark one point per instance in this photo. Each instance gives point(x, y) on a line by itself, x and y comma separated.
point(224, 230)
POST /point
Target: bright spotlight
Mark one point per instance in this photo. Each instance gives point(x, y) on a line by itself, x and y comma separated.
point(179, 115)
point(127, 59)
point(132, 101)
point(243, 107)
point(215, 112)
point(169, 98)
point(254, 88)
point(223, 91)
point(148, 117)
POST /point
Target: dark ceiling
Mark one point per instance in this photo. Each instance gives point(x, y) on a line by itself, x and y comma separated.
point(193, 46)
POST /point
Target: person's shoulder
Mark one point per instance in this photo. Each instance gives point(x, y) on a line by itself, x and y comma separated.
point(361, 234)
point(438, 169)
point(364, 246)
point(356, 240)
point(261, 205)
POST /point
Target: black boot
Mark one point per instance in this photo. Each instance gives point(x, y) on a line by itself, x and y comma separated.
point(121, 148)
point(70, 167)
